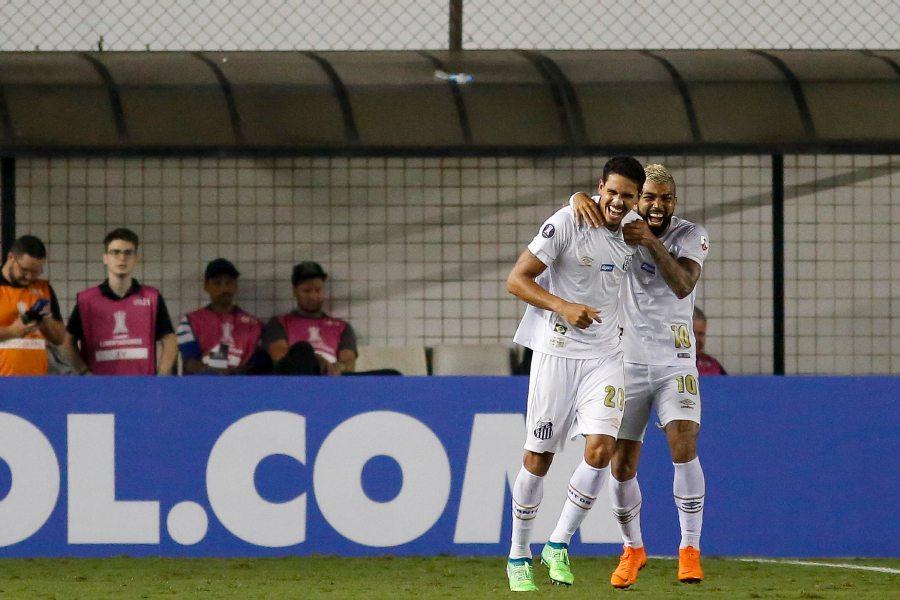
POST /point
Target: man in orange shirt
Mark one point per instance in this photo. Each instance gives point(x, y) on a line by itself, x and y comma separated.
point(29, 310)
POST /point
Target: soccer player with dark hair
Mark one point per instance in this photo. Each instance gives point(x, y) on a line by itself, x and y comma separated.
point(114, 326)
point(570, 277)
point(660, 367)
point(29, 311)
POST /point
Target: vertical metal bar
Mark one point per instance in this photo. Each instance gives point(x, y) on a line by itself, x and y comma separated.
point(456, 13)
point(778, 263)
point(7, 204)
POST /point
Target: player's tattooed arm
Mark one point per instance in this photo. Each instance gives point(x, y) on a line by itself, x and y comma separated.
point(586, 210)
point(521, 283)
point(680, 274)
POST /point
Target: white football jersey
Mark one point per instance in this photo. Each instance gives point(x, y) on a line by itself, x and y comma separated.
point(586, 266)
point(659, 328)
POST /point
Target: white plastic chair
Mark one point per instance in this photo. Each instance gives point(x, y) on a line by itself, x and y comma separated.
point(487, 359)
point(409, 360)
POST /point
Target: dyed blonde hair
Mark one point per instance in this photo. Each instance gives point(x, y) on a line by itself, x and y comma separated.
point(659, 174)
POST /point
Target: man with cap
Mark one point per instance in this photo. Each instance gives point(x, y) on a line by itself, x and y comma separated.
point(220, 338)
point(308, 333)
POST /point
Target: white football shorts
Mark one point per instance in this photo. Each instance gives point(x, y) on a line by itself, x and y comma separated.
point(568, 397)
point(672, 391)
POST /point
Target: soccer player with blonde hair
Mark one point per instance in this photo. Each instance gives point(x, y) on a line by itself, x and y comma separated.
point(660, 367)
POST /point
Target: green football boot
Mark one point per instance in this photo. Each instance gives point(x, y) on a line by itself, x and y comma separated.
point(521, 575)
point(556, 557)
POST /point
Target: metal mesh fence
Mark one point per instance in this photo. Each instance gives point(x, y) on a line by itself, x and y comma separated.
point(417, 249)
point(690, 24)
point(222, 24)
point(424, 24)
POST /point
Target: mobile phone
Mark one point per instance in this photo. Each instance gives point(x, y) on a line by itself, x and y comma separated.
point(35, 313)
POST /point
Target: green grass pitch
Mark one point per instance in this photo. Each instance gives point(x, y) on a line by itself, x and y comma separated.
point(420, 578)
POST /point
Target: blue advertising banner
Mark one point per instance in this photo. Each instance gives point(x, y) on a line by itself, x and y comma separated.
point(419, 466)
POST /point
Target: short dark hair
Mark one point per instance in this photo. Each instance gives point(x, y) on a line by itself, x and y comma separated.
point(626, 166)
point(121, 233)
point(30, 245)
point(307, 270)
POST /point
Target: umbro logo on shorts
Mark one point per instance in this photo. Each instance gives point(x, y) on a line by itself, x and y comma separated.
point(544, 430)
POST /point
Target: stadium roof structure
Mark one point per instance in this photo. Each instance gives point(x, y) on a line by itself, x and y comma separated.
point(404, 103)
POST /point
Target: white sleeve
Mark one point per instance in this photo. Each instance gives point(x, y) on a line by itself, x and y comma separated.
point(695, 245)
point(554, 235)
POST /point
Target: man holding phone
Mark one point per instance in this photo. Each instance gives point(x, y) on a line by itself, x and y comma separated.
point(29, 310)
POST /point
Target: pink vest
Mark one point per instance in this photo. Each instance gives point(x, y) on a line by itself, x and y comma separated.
point(323, 334)
point(238, 330)
point(119, 335)
point(707, 365)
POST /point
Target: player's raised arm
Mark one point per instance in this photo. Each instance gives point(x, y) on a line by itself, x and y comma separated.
point(521, 283)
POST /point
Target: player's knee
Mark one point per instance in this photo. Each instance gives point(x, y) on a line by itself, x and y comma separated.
point(599, 453)
point(683, 449)
point(623, 471)
point(684, 454)
point(537, 463)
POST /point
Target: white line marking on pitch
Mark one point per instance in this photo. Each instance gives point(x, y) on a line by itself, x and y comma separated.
point(808, 563)
point(804, 563)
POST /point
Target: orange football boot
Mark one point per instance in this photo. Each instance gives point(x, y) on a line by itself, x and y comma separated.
point(689, 569)
point(631, 561)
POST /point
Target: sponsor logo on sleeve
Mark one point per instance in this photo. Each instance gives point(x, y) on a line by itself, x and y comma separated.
point(704, 243)
point(548, 230)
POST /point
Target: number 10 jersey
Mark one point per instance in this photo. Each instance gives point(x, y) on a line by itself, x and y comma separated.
point(658, 327)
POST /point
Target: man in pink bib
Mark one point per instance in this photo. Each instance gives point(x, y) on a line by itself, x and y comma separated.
point(306, 340)
point(706, 364)
point(114, 326)
point(220, 338)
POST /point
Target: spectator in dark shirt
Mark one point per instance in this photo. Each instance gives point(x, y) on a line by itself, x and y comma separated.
point(306, 340)
point(706, 364)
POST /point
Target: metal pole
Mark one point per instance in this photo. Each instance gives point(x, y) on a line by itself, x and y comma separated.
point(7, 204)
point(456, 12)
point(778, 263)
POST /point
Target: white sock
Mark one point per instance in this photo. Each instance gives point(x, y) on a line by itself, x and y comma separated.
point(626, 504)
point(584, 486)
point(689, 488)
point(526, 498)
